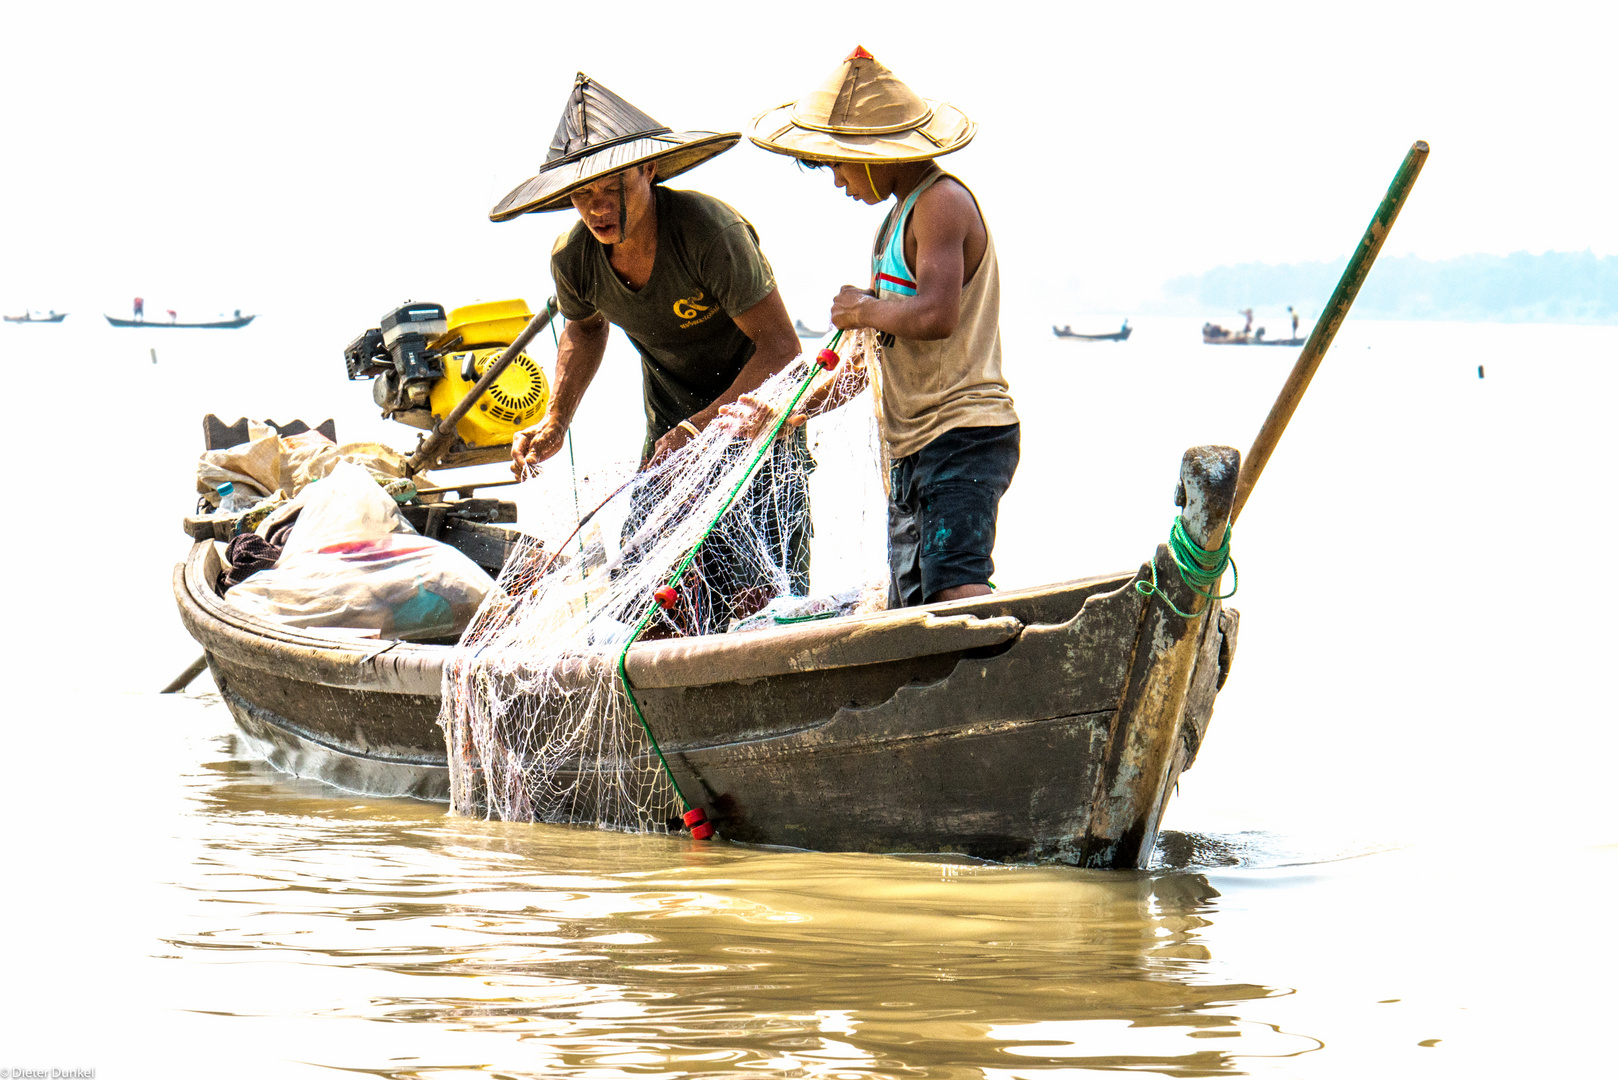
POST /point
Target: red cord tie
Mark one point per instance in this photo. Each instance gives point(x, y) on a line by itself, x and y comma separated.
point(696, 819)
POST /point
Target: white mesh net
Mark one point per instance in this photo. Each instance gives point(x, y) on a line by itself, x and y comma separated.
point(538, 723)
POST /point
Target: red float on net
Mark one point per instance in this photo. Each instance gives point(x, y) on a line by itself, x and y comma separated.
point(827, 359)
point(666, 597)
point(696, 819)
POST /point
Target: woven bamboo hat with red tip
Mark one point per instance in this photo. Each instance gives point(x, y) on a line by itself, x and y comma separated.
point(601, 134)
point(863, 113)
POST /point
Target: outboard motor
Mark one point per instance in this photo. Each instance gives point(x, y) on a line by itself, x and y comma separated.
point(398, 355)
point(424, 362)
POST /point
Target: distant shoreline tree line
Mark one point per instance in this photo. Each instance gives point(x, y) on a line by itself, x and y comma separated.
point(1564, 287)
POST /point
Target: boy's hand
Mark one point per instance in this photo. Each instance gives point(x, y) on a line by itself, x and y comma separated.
point(845, 309)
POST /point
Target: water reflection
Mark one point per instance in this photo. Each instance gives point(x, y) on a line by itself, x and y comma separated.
point(554, 951)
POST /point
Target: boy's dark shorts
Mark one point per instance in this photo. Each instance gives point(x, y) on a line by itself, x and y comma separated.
point(942, 505)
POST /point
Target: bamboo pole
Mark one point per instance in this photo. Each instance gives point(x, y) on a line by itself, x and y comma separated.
point(1320, 338)
point(427, 454)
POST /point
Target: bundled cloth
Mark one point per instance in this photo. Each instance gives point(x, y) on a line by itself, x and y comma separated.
point(354, 562)
point(281, 466)
point(250, 552)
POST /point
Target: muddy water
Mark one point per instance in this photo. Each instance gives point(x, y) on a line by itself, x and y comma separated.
point(237, 922)
point(1395, 855)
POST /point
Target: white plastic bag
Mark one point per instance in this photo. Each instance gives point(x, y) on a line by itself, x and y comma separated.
point(353, 561)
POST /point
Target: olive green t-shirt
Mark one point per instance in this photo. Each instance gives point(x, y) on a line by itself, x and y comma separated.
point(708, 268)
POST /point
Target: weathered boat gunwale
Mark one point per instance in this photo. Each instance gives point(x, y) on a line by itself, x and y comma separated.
point(408, 667)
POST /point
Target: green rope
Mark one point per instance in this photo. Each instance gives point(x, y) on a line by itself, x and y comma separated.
point(788, 620)
point(1199, 568)
point(679, 571)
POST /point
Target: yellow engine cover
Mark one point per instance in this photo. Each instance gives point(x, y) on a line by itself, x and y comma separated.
point(516, 400)
point(490, 322)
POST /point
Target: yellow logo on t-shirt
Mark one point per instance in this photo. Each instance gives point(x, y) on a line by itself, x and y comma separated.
point(688, 308)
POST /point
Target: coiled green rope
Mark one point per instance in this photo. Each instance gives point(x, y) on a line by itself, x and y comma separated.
point(1198, 566)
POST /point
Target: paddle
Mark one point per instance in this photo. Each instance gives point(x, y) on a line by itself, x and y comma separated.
point(1320, 338)
point(183, 679)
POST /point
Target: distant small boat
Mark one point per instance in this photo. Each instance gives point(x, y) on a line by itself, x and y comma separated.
point(1118, 335)
point(30, 317)
point(1218, 335)
point(1214, 334)
point(804, 331)
point(220, 324)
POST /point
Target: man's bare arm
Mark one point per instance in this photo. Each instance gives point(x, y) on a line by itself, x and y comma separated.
point(578, 358)
point(944, 217)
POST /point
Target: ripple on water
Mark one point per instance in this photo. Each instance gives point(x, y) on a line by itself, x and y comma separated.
point(582, 952)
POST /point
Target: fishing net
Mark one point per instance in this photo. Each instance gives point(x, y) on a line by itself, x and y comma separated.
point(536, 716)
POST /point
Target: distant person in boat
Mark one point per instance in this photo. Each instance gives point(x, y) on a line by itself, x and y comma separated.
point(683, 276)
point(172, 316)
point(952, 430)
point(140, 308)
point(1294, 315)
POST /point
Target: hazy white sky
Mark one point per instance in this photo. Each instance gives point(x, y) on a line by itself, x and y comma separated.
point(344, 156)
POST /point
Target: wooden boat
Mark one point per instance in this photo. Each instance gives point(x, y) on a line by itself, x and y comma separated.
point(806, 332)
point(1117, 335)
point(1042, 723)
point(1214, 334)
point(219, 324)
point(1218, 335)
point(30, 317)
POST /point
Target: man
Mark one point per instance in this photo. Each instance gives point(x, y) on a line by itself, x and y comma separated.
point(951, 426)
point(682, 275)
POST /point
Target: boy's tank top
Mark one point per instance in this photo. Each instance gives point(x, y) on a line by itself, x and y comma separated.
point(930, 387)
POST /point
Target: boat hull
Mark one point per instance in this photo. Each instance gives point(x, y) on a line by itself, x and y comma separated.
point(1286, 342)
point(988, 727)
point(223, 324)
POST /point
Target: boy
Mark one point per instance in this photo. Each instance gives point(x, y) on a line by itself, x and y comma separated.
point(950, 423)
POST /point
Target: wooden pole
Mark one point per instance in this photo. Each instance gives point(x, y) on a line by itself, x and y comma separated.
point(183, 679)
point(475, 485)
point(427, 454)
point(1320, 338)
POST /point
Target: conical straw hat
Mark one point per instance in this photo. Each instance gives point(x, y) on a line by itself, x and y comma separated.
point(863, 113)
point(601, 134)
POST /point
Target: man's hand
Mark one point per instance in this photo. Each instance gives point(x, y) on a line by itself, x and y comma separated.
point(845, 309)
point(535, 444)
point(671, 441)
point(747, 416)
